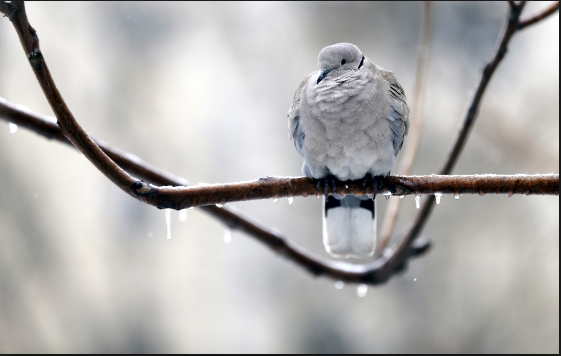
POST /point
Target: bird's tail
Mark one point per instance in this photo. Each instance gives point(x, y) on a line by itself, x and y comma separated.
point(349, 226)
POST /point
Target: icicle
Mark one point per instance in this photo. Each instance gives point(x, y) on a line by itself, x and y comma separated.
point(13, 127)
point(361, 290)
point(339, 284)
point(438, 196)
point(275, 200)
point(168, 221)
point(227, 235)
point(317, 197)
point(457, 196)
point(401, 196)
point(387, 195)
point(418, 201)
point(290, 200)
point(183, 215)
point(220, 205)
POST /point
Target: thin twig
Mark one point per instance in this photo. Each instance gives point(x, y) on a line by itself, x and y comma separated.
point(416, 128)
point(536, 18)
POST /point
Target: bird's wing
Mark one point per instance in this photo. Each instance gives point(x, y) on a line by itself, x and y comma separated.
point(294, 129)
point(399, 113)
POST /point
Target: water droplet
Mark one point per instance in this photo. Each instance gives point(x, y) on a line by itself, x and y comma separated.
point(317, 197)
point(361, 290)
point(418, 201)
point(227, 235)
point(438, 196)
point(387, 195)
point(346, 186)
point(182, 215)
point(13, 127)
point(457, 196)
point(510, 194)
point(290, 200)
point(219, 205)
point(150, 234)
point(275, 200)
point(168, 222)
point(414, 279)
point(401, 196)
point(339, 284)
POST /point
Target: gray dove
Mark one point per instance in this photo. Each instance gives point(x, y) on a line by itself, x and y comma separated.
point(348, 121)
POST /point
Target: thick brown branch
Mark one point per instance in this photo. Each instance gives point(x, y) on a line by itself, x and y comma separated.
point(532, 20)
point(175, 195)
point(374, 273)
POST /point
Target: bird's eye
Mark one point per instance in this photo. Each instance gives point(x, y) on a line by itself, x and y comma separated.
point(343, 62)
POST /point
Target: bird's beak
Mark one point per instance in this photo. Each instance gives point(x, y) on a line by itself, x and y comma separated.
point(323, 75)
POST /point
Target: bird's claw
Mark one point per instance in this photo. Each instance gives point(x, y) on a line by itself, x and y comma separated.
point(326, 183)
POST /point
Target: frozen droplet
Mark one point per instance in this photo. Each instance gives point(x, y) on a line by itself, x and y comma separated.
point(319, 196)
point(150, 234)
point(13, 127)
point(438, 196)
point(168, 222)
point(401, 196)
point(190, 208)
point(346, 186)
point(418, 201)
point(290, 200)
point(182, 215)
point(457, 196)
point(387, 195)
point(35, 195)
point(227, 235)
point(510, 194)
point(361, 290)
point(275, 200)
point(339, 284)
point(219, 205)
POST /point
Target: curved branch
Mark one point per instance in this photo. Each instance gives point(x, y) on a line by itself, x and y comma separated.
point(373, 273)
point(414, 140)
point(459, 141)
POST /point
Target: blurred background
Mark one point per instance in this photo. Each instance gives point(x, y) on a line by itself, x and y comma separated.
point(202, 90)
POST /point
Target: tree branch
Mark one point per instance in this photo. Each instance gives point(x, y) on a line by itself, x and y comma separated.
point(536, 18)
point(414, 140)
point(459, 141)
point(181, 197)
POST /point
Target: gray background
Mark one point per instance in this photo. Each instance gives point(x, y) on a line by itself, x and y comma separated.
point(202, 90)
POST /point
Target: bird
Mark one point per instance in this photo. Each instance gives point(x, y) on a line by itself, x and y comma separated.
point(348, 121)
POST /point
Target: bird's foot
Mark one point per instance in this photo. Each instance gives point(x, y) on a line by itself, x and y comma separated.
point(327, 182)
point(376, 180)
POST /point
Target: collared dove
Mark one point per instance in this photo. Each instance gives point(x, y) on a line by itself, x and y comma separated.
point(348, 121)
